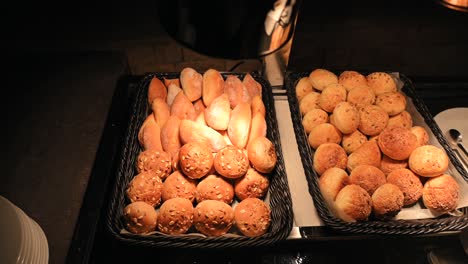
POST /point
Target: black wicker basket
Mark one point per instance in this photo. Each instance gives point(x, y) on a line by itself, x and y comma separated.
point(279, 197)
point(444, 223)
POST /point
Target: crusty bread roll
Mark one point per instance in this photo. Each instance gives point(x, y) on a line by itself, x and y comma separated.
point(262, 154)
point(218, 113)
point(182, 107)
point(149, 134)
point(303, 87)
point(213, 187)
point(253, 87)
point(140, 218)
point(353, 203)
point(251, 185)
point(155, 162)
point(329, 155)
point(156, 89)
point(397, 142)
point(178, 185)
point(321, 78)
point(213, 218)
point(239, 125)
point(170, 140)
point(351, 142)
point(236, 91)
point(441, 194)
point(360, 96)
point(428, 161)
point(381, 82)
point(175, 216)
point(368, 177)
point(192, 83)
point(199, 106)
point(191, 131)
point(324, 133)
point(372, 120)
point(421, 135)
point(309, 102)
point(351, 80)
point(409, 184)
point(258, 127)
point(393, 102)
point(145, 187)
point(313, 118)
point(387, 201)
point(213, 86)
point(257, 105)
point(168, 82)
point(252, 217)
point(332, 95)
point(172, 91)
point(346, 117)
point(161, 111)
point(231, 162)
point(195, 159)
point(388, 164)
point(330, 183)
point(367, 154)
point(402, 119)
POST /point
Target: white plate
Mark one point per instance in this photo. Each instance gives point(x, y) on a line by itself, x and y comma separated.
point(454, 118)
point(10, 232)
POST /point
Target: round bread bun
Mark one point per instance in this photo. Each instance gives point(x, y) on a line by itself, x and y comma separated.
point(251, 185)
point(388, 165)
point(368, 177)
point(428, 161)
point(309, 102)
point(213, 187)
point(397, 142)
point(331, 182)
point(321, 78)
point(353, 141)
point(402, 119)
point(372, 120)
point(303, 87)
point(262, 155)
point(145, 187)
point(324, 133)
point(353, 203)
point(381, 82)
point(195, 159)
point(361, 96)
point(313, 118)
point(409, 184)
point(367, 154)
point(393, 102)
point(421, 135)
point(213, 218)
point(252, 217)
point(329, 155)
point(441, 194)
point(175, 216)
point(331, 96)
point(156, 162)
point(346, 117)
point(351, 80)
point(177, 185)
point(387, 201)
point(140, 218)
point(231, 162)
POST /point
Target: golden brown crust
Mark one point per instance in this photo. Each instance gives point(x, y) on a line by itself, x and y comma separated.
point(303, 87)
point(331, 182)
point(175, 216)
point(161, 111)
point(258, 106)
point(149, 135)
point(258, 128)
point(213, 218)
point(213, 187)
point(252, 217)
point(146, 188)
point(372, 120)
point(361, 96)
point(170, 139)
point(191, 131)
point(213, 86)
point(195, 159)
point(251, 185)
point(441, 194)
point(367, 154)
point(177, 185)
point(231, 162)
point(253, 87)
point(331, 96)
point(346, 117)
point(236, 91)
point(156, 89)
point(192, 83)
point(324, 133)
point(172, 91)
point(402, 119)
point(353, 203)
point(368, 177)
point(329, 155)
point(239, 125)
point(393, 102)
point(199, 107)
point(353, 141)
point(140, 218)
point(387, 201)
point(313, 118)
point(351, 80)
point(397, 142)
point(155, 162)
point(388, 165)
point(428, 161)
point(421, 135)
point(309, 102)
point(262, 155)
point(381, 82)
point(321, 78)
point(182, 107)
point(218, 113)
point(409, 184)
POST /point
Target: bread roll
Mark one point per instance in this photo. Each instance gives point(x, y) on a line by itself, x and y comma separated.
point(262, 154)
point(257, 105)
point(409, 184)
point(239, 125)
point(213, 86)
point(178, 185)
point(388, 164)
point(170, 140)
point(372, 120)
point(236, 91)
point(361, 96)
point(231, 162)
point(303, 87)
point(168, 82)
point(441, 194)
point(218, 113)
point(199, 106)
point(156, 89)
point(381, 82)
point(149, 134)
point(313, 118)
point(252, 217)
point(321, 78)
point(346, 117)
point(175, 216)
point(324, 133)
point(329, 155)
point(331, 96)
point(393, 102)
point(161, 111)
point(428, 161)
point(195, 159)
point(330, 183)
point(155, 162)
point(353, 141)
point(402, 119)
point(368, 177)
point(192, 83)
point(253, 87)
point(258, 128)
point(213, 187)
point(145, 187)
point(367, 154)
point(387, 201)
point(351, 80)
point(353, 203)
point(183, 108)
point(309, 102)
point(192, 131)
point(421, 135)
point(397, 142)
point(140, 218)
point(172, 91)
point(213, 218)
point(251, 185)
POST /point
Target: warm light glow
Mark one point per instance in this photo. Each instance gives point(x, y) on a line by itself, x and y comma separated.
point(459, 5)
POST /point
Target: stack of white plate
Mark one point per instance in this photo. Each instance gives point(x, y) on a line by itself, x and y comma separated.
point(22, 240)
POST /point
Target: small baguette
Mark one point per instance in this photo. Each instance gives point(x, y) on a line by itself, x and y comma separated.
point(258, 127)
point(183, 108)
point(161, 111)
point(192, 131)
point(172, 91)
point(192, 83)
point(149, 135)
point(156, 89)
point(253, 87)
point(258, 106)
point(239, 125)
point(170, 135)
point(218, 113)
point(168, 82)
point(236, 91)
point(213, 86)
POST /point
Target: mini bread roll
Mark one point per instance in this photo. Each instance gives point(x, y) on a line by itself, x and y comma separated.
point(149, 135)
point(231, 162)
point(146, 188)
point(309, 102)
point(409, 184)
point(192, 131)
point(387, 201)
point(213, 187)
point(251, 185)
point(168, 82)
point(351, 80)
point(195, 159)
point(236, 91)
point(177, 185)
point(199, 106)
point(161, 111)
point(140, 218)
point(331, 96)
point(353, 203)
point(253, 87)
point(441, 194)
point(252, 217)
point(258, 128)
point(397, 142)
point(239, 125)
point(261, 153)
point(372, 120)
point(192, 83)
point(218, 113)
point(428, 161)
point(213, 218)
point(367, 154)
point(156, 89)
point(353, 141)
point(361, 96)
point(155, 162)
point(321, 78)
point(324, 133)
point(303, 87)
point(213, 86)
point(421, 135)
point(175, 216)
point(257, 105)
point(329, 155)
point(368, 177)
point(388, 164)
point(313, 118)
point(393, 102)
point(381, 82)
point(402, 119)
point(170, 140)
point(172, 91)
point(346, 117)
point(331, 182)
point(183, 108)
